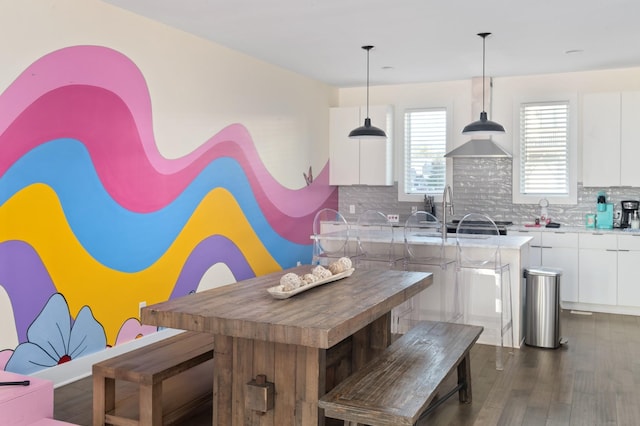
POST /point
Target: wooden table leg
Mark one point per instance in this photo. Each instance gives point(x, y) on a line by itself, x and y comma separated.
point(222, 380)
point(371, 341)
point(464, 375)
point(310, 385)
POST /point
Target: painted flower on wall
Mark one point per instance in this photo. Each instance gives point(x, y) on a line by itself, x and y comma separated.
point(54, 338)
point(132, 329)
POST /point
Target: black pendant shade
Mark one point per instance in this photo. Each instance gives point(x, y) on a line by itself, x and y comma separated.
point(484, 125)
point(367, 130)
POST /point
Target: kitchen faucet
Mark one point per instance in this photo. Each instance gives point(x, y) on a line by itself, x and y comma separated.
point(447, 202)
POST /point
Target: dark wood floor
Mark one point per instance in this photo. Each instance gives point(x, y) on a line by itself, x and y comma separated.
point(593, 380)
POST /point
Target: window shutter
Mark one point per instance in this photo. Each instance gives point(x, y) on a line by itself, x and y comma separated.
point(425, 145)
point(544, 142)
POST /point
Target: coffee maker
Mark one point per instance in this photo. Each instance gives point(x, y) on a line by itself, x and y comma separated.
point(628, 209)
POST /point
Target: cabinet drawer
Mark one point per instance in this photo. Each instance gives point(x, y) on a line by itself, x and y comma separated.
point(524, 233)
point(598, 241)
point(629, 242)
point(560, 239)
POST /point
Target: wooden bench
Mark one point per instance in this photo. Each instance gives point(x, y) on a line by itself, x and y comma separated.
point(402, 383)
point(174, 376)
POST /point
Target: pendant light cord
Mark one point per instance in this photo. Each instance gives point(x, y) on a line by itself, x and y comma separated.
point(484, 41)
point(368, 49)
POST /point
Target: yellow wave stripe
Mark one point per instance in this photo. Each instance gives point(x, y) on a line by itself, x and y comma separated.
point(34, 215)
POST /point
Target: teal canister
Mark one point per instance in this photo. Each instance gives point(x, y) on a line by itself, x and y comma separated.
point(590, 220)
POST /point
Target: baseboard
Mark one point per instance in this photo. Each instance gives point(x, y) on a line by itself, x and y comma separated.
point(80, 368)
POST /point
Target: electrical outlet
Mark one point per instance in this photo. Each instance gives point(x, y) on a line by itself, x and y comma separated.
point(414, 209)
point(352, 209)
point(393, 218)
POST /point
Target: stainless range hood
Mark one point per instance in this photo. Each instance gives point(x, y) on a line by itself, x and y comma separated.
point(479, 148)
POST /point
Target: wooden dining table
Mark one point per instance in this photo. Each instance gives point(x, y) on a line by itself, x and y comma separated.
point(274, 358)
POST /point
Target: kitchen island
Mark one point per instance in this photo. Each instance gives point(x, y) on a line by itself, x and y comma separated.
point(303, 345)
point(477, 289)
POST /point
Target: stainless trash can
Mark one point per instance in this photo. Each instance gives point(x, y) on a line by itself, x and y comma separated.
point(542, 307)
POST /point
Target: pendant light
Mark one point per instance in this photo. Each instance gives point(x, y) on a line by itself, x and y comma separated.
point(484, 125)
point(367, 131)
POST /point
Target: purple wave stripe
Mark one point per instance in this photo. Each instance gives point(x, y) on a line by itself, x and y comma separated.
point(212, 250)
point(86, 65)
point(26, 270)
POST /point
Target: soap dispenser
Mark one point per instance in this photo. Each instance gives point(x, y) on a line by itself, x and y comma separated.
point(635, 222)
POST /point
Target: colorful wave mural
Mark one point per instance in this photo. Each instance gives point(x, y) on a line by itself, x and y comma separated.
point(93, 215)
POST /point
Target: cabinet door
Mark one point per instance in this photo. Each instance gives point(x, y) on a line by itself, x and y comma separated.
point(355, 161)
point(601, 139)
point(628, 261)
point(628, 288)
point(598, 276)
point(375, 154)
point(344, 153)
point(560, 250)
point(565, 259)
point(630, 135)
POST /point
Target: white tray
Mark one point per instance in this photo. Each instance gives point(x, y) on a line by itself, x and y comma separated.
point(278, 294)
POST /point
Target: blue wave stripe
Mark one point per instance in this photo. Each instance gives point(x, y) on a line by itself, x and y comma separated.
point(125, 240)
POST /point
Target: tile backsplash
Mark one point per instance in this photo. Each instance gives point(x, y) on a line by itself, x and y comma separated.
point(481, 185)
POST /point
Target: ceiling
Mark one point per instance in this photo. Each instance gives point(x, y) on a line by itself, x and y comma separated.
point(415, 40)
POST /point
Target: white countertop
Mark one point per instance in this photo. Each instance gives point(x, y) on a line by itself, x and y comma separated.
point(580, 229)
point(433, 239)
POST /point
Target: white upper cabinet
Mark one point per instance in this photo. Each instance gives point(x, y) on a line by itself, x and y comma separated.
point(355, 161)
point(630, 139)
point(610, 139)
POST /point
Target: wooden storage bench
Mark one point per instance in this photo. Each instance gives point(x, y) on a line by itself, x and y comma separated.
point(173, 376)
point(401, 384)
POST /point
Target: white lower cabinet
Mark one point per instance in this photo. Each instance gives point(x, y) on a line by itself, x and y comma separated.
point(628, 262)
point(599, 269)
point(556, 250)
point(560, 250)
point(598, 272)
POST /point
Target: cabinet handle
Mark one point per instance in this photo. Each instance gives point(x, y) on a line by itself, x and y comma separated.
point(559, 232)
point(623, 250)
point(610, 250)
point(535, 246)
point(546, 247)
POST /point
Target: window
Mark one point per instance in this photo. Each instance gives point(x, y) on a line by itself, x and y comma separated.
point(545, 167)
point(425, 142)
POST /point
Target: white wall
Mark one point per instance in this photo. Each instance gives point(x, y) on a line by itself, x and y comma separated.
point(506, 91)
point(196, 87)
